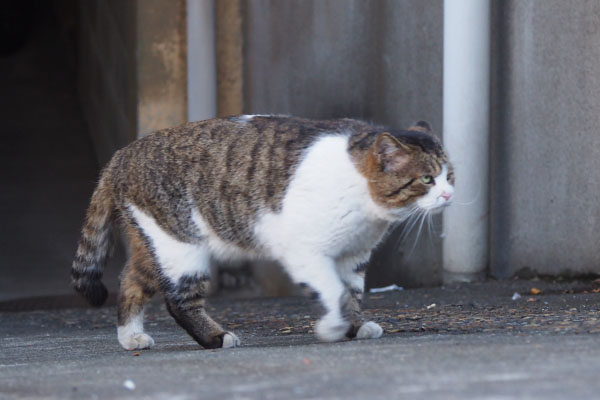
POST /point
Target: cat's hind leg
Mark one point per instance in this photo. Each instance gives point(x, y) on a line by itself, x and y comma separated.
point(138, 285)
point(184, 271)
point(186, 302)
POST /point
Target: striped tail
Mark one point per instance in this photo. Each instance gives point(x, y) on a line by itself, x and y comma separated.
point(93, 249)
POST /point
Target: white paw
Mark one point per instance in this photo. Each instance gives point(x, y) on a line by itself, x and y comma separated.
point(331, 329)
point(136, 341)
point(230, 340)
point(369, 330)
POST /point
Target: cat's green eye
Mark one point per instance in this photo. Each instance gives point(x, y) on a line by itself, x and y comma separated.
point(427, 179)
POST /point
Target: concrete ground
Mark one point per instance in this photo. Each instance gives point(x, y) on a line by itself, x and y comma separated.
point(469, 341)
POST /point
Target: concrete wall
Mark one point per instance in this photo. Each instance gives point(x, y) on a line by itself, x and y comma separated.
point(378, 60)
point(230, 57)
point(132, 69)
point(162, 64)
point(545, 212)
point(382, 60)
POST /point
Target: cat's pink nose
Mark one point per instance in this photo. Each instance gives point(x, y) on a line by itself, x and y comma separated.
point(446, 195)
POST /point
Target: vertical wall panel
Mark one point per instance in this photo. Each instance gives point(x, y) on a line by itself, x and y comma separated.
point(546, 137)
point(376, 60)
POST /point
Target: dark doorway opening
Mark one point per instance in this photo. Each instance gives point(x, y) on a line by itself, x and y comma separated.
point(48, 167)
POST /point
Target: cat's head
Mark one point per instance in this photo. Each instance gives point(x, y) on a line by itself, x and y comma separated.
point(409, 169)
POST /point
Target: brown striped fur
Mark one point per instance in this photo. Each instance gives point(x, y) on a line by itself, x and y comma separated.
point(86, 272)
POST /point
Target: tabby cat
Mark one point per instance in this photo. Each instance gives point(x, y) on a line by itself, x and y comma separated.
point(317, 196)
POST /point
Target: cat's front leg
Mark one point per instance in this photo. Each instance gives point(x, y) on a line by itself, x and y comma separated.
point(359, 328)
point(352, 302)
point(319, 272)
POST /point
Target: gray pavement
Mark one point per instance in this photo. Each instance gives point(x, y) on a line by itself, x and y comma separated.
point(474, 343)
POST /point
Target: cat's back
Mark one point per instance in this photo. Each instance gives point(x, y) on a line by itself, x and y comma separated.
point(228, 143)
point(228, 169)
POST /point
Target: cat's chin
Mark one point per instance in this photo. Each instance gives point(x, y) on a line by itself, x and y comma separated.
point(436, 209)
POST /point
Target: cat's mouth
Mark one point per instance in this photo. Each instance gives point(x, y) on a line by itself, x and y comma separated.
point(438, 208)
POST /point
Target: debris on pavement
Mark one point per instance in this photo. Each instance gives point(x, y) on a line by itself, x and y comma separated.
point(516, 296)
point(129, 384)
point(386, 289)
point(535, 291)
point(462, 308)
point(429, 307)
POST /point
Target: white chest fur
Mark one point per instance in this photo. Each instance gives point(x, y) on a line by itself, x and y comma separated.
point(327, 208)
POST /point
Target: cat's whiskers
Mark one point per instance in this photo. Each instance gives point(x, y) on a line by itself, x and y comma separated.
point(430, 228)
point(469, 202)
point(410, 212)
point(417, 217)
point(421, 218)
point(402, 234)
point(412, 219)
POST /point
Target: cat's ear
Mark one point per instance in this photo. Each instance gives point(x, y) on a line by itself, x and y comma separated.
point(391, 154)
point(421, 126)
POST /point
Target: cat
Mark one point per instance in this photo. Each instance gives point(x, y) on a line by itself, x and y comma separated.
point(315, 195)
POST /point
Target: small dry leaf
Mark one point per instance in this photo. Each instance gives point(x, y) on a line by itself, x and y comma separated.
point(531, 299)
point(135, 354)
point(306, 361)
point(535, 291)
